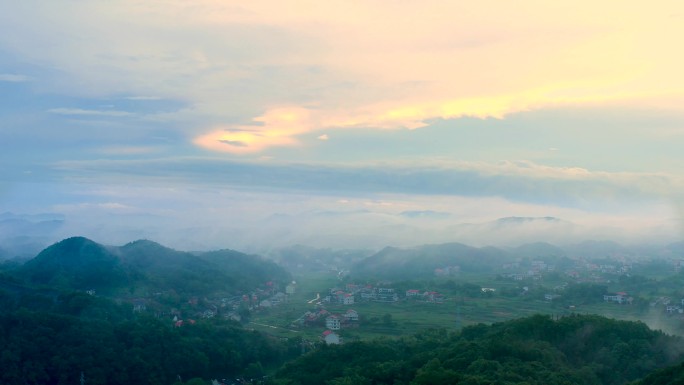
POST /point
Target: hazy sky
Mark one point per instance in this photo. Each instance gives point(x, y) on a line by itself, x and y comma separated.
point(204, 124)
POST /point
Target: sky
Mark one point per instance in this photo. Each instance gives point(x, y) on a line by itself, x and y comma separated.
point(346, 124)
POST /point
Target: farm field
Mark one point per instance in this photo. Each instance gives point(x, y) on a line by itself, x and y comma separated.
point(409, 316)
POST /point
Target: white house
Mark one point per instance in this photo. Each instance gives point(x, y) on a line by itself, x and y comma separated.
point(348, 299)
point(620, 298)
point(351, 315)
point(331, 338)
point(332, 322)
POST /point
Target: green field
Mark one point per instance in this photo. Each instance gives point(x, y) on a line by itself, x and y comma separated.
point(408, 316)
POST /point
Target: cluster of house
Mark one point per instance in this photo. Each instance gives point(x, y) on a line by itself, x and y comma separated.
point(534, 272)
point(262, 298)
point(582, 271)
point(608, 268)
point(670, 307)
point(339, 296)
point(332, 323)
point(592, 272)
point(347, 296)
point(352, 292)
point(335, 322)
point(619, 297)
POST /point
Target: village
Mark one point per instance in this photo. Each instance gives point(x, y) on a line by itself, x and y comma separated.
point(348, 308)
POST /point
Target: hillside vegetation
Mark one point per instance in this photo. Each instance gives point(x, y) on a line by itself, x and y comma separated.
point(81, 264)
point(534, 350)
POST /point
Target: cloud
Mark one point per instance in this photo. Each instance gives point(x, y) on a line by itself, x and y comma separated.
point(516, 181)
point(14, 78)
point(86, 206)
point(323, 137)
point(260, 219)
point(144, 98)
point(275, 128)
point(127, 150)
point(351, 65)
point(84, 112)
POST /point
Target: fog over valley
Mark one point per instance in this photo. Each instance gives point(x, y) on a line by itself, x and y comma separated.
point(341, 192)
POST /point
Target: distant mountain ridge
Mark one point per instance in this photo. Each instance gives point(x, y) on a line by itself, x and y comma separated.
point(23, 236)
point(80, 263)
point(422, 261)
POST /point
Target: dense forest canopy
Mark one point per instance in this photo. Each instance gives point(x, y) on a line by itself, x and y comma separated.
point(535, 350)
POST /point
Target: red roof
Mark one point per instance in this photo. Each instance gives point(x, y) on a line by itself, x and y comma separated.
point(327, 332)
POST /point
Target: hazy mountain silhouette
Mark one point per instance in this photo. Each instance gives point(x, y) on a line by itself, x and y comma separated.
point(80, 263)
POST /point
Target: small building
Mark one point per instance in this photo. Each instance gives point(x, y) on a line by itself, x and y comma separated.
point(620, 297)
point(333, 322)
point(671, 309)
point(348, 299)
point(139, 305)
point(331, 338)
point(433, 296)
point(291, 288)
point(412, 293)
point(351, 315)
point(384, 294)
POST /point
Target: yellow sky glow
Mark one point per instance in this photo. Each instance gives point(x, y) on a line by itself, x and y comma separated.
point(376, 64)
point(446, 60)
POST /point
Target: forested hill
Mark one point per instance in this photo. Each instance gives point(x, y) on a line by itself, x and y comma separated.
point(535, 350)
point(79, 263)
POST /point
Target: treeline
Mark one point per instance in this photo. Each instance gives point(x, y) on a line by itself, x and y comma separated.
point(534, 350)
point(109, 344)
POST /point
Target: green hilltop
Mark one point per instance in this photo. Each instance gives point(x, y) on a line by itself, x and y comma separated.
point(81, 264)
